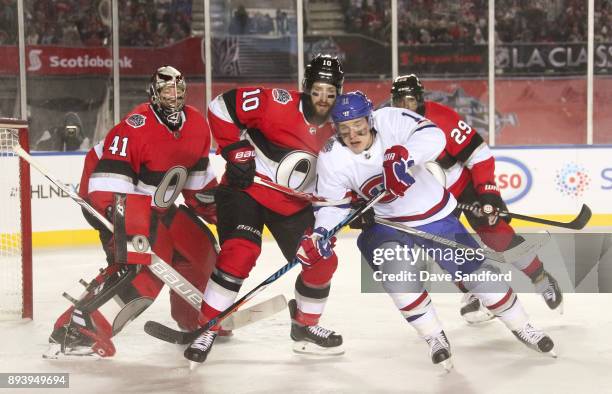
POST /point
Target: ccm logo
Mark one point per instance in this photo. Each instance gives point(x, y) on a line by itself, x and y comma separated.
point(244, 155)
point(389, 156)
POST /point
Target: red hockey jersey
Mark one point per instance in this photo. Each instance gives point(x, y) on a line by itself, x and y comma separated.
point(286, 144)
point(466, 156)
point(141, 155)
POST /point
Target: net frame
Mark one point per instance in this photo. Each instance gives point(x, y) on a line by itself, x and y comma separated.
point(19, 132)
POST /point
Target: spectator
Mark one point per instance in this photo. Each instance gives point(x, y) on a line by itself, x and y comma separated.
point(68, 137)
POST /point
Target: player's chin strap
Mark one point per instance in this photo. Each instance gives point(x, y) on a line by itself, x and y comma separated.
point(577, 223)
point(167, 334)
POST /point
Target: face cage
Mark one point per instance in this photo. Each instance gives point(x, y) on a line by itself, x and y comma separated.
point(180, 101)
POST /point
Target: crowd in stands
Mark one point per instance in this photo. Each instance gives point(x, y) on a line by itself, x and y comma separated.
point(88, 22)
point(466, 22)
point(260, 22)
point(163, 22)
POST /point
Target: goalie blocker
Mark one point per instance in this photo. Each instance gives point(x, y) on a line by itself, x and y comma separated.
point(125, 288)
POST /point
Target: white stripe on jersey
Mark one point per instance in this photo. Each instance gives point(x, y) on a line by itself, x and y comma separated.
point(115, 183)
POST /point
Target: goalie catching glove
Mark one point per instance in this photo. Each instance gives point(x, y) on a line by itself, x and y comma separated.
point(314, 247)
point(396, 170)
point(240, 164)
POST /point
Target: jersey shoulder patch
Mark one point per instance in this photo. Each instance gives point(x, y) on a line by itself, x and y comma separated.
point(329, 144)
point(281, 96)
point(136, 120)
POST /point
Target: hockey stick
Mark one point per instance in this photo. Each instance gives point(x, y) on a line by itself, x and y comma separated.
point(158, 267)
point(167, 334)
point(577, 223)
point(320, 201)
point(508, 256)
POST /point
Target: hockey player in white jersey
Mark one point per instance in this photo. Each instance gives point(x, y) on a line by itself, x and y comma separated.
point(386, 151)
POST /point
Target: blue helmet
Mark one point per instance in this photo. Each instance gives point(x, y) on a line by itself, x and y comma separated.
point(352, 105)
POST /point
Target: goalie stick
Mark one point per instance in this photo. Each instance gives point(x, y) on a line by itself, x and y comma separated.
point(522, 249)
point(577, 223)
point(160, 268)
point(169, 335)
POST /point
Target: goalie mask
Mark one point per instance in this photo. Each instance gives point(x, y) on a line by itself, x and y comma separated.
point(408, 86)
point(167, 95)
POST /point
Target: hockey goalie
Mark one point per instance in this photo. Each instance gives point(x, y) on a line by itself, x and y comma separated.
point(158, 151)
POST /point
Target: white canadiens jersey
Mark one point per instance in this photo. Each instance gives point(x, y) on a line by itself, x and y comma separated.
point(340, 171)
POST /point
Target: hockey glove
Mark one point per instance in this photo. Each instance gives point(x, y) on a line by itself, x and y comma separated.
point(240, 164)
point(314, 248)
point(396, 170)
point(364, 220)
point(491, 202)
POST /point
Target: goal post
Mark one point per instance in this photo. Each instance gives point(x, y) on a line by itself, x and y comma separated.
point(15, 224)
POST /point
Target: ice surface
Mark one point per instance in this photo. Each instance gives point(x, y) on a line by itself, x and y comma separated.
point(383, 353)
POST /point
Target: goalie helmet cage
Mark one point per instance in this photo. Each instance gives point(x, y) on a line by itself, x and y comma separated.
point(15, 224)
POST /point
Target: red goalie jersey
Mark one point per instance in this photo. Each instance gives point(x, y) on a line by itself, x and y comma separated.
point(140, 155)
point(286, 145)
point(466, 156)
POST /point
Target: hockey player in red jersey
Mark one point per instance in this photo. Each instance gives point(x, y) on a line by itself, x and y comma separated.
point(159, 150)
point(470, 176)
point(275, 134)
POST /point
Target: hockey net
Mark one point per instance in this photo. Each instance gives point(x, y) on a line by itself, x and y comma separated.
point(15, 224)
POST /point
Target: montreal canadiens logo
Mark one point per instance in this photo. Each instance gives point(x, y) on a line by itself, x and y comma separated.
point(374, 186)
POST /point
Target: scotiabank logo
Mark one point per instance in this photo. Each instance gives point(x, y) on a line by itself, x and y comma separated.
point(37, 61)
point(87, 62)
point(513, 178)
point(34, 58)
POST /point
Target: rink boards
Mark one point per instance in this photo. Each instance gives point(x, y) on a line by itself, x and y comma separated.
point(549, 182)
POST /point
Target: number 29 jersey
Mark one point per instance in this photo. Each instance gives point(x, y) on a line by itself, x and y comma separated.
point(286, 144)
point(141, 155)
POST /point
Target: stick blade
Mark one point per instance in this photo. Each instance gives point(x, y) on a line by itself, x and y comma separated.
point(582, 219)
point(255, 313)
point(165, 333)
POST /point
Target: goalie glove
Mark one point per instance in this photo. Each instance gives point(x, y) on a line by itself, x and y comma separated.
point(396, 170)
point(132, 221)
point(314, 247)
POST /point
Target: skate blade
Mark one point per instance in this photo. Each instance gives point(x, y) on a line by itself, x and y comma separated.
point(193, 365)
point(560, 308)
point(551, 354)
point(55, 353)
point(447, 365)
point(303, 347)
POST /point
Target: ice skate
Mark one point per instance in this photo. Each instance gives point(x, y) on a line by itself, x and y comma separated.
point(473, 311)
point(551, 292)
point(440, 351)
point(535, 339)
point(200, 347)
point(313, 339)
point(72, 340)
